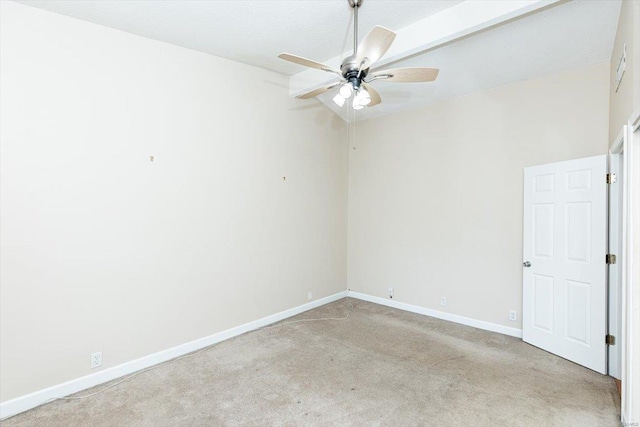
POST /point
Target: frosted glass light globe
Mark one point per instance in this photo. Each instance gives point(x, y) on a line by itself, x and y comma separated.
point(346, 90)
point(362, 97)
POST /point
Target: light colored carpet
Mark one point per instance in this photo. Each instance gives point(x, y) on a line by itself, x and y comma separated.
point(381, 366)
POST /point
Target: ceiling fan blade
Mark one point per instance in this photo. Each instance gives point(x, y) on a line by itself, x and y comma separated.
point(319, 91)
point(375, 45)
point(406, 75)
point(375, 96)
point(307, 63)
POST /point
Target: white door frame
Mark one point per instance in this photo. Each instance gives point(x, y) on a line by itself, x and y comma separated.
point(630, 345)
point(615, 234)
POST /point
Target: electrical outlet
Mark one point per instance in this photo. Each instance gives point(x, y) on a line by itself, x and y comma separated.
point(513, 315)
point(390, 292)
point(309, 296)
point(96, 360)
point(443, 301)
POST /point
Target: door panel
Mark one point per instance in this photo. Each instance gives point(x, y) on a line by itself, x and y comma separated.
point(579, 312)
point(579, 232)
point(564, 289)
point(543, 303)
point(543, 230)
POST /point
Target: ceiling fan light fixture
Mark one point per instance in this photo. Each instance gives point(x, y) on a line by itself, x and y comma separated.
point(354, 73)
point(362, 97)
point(346, 90)
point(339, 100)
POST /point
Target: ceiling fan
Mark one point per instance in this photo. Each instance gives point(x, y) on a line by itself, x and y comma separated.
point(354, 71)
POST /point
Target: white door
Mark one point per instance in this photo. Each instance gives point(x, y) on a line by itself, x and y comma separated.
point(564, 274)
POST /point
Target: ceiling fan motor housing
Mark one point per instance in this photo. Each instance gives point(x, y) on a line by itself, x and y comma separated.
point(351, 72)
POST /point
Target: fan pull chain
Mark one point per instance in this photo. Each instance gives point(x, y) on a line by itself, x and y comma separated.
point(353, 124)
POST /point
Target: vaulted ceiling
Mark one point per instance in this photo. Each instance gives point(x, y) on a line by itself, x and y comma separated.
point(476, 44)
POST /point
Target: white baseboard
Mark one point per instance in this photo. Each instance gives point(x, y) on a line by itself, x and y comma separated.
point(480, 324)
point(29, 401)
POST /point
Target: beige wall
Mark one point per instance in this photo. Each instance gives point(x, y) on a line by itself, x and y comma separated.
point(626, 99)
point(103, 249)
point(435, 197)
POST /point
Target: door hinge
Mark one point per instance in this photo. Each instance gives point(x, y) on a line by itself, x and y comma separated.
point(611, 178)
point(610, 339)
point(610, 259)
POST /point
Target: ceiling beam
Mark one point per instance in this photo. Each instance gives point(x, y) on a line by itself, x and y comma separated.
point(451, 24)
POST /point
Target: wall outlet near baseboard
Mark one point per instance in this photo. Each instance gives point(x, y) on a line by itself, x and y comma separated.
point(309, 296)
point(513, 315)
point(443, 301)
point(96, 360)
point(390, 292)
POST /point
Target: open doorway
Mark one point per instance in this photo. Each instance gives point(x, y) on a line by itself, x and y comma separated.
point(625, 237)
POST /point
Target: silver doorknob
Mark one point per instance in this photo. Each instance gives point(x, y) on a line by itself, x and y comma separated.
point(526, 264)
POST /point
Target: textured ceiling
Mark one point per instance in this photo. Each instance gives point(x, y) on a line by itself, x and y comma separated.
point(571, 35)
point(566, 35)
point(251, 32)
